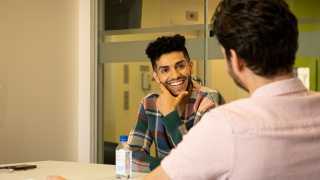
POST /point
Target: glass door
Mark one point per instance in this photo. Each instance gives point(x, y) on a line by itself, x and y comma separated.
point(126, 28)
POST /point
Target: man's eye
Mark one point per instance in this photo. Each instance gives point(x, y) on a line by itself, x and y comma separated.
point(164, 70)
point(181, 66)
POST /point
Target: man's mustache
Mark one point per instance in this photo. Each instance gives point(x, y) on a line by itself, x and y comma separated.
point(177, 79)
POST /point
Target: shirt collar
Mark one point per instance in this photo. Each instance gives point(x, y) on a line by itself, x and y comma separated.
point(280, 88)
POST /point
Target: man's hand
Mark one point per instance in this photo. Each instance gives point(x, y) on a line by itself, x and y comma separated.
point(157, 174)
point(55, 178)
point(166, 103)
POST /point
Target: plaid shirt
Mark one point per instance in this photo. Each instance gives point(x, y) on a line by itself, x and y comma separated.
point(166, 131)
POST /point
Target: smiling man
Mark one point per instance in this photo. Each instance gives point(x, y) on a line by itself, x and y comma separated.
point(164, 118)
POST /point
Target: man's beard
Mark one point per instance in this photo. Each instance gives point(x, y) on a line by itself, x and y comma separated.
point(236, 79)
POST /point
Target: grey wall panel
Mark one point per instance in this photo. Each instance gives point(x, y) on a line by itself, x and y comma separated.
point(135, 51)
point(309, 45)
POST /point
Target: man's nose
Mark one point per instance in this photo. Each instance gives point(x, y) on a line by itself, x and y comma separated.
point(175, 74)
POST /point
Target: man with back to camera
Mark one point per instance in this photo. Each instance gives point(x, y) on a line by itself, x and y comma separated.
point(164, 119)
point(273, 134)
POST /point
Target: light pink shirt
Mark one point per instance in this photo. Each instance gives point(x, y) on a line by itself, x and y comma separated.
point(273, 135)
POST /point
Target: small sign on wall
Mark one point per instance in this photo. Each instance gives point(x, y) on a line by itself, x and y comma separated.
point(192, 15)
point(126, 100)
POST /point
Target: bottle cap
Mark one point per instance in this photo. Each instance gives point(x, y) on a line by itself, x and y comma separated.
point(123, 138)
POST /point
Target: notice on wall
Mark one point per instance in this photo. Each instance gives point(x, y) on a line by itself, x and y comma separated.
point(303, 74)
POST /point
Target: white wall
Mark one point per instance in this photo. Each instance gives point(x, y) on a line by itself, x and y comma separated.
point(39, 81)
point(87, 65)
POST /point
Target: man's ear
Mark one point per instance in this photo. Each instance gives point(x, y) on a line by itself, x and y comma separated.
point(237, 63)
point(155, 77)
point(191, 66)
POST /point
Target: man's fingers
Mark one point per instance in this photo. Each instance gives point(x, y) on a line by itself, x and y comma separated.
point(181, 96)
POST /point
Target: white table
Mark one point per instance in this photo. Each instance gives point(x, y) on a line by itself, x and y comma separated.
point(69, 170)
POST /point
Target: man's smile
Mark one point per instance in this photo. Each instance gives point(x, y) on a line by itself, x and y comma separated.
point(176, 82)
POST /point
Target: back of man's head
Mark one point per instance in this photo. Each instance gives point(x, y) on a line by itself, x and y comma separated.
point(263, 33)
point(165, 45)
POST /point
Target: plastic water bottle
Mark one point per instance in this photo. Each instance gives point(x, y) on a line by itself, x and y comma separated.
point(123, 159)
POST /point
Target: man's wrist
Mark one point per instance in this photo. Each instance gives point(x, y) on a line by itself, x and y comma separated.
point(168, 111)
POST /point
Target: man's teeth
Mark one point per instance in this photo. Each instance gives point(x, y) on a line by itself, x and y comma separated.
point(176, 83)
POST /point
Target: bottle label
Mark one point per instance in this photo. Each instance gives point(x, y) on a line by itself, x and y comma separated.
point(123, 162)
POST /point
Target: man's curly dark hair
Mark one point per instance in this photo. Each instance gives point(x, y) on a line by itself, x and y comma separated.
point(164, 45)
point(264, 33)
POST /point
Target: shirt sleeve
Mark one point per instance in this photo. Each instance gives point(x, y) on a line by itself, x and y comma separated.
point(206, 152)
point(172, 123)
point(210, 101)
point(218, 98)
point(140, 141)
